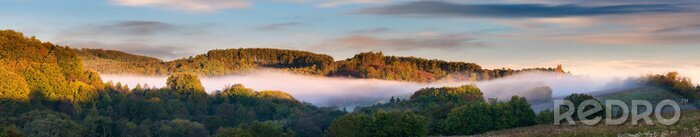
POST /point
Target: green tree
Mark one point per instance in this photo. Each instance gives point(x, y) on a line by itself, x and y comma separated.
point(184, 82)
point(577, 99)
point(11, 131)
point(256, 129)
point(521, 111)
point(52, 125)
point(181, 128)
point(98, 126)
point(469, 119)
point(406, 124)
point(350, 125)
point(545, 117)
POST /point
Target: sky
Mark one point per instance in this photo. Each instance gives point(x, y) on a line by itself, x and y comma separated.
point(602, 38)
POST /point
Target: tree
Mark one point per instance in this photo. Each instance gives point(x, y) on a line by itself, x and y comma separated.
point(404, 124)
point(350, 125)
point(381, 123)
point(98, 126)
point(674, 82)
point(577, 99)
point(47, 79)
point(469, 119)
point(256, 129)
point(184, 82)
point(12, 86)
point(238, 90)
point(181, 128)
point(545, 117)
point(456, 95)
point(51, 125)
point(521, 111)
point(11, 131)
point(82, 92)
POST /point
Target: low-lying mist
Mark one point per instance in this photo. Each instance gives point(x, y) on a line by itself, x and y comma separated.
point(349, 92)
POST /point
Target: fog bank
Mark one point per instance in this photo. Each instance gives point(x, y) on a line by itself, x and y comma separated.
point(348, 92)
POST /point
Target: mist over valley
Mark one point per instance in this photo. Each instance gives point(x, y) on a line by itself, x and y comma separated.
point(351, 92)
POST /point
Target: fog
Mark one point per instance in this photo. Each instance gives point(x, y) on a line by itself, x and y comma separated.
point(348, 92)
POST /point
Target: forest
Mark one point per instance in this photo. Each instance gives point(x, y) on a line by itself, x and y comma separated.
point(46, 91)
point(373, 65)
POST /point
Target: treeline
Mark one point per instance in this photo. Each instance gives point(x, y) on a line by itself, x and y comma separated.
point(672, 81)
point(117, 62)
point(364, 65)
point(180, 109)
point(438, 111)
point(215, 62)
point(221, 62)
point(376, 65)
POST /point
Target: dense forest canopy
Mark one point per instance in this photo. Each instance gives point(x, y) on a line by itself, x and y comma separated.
point(447, 111)
point(31, 64)
point(215, 62)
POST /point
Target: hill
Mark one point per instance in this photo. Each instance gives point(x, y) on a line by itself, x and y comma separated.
point(31, 65)
point(374, 65)
point(117, 62)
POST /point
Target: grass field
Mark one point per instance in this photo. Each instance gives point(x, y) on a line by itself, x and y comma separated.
point(651, 94)
point(687, 126)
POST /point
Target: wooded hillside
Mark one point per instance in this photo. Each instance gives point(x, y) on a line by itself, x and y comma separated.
point(230, 61)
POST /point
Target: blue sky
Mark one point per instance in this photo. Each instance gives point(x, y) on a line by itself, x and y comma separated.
point(601, 38)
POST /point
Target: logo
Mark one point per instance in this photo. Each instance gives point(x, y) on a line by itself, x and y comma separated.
point(616, 112)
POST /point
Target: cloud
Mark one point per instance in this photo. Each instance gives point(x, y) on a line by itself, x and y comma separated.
point(691, 27)
point(277, 26)
point(151, 38)
point(161, 51)
point(123, 27)
point(335, 3)
point(641, 39)
point(651, 29)
point(445, 9)
point(423, 41)
point(372, 30)
point(186, 5)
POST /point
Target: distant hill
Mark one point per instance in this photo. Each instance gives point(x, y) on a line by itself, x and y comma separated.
point(230, 61)
point(117, 62)
point(215, 62)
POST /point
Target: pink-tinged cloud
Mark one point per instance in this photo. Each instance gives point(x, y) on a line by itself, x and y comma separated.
point(187, 5)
